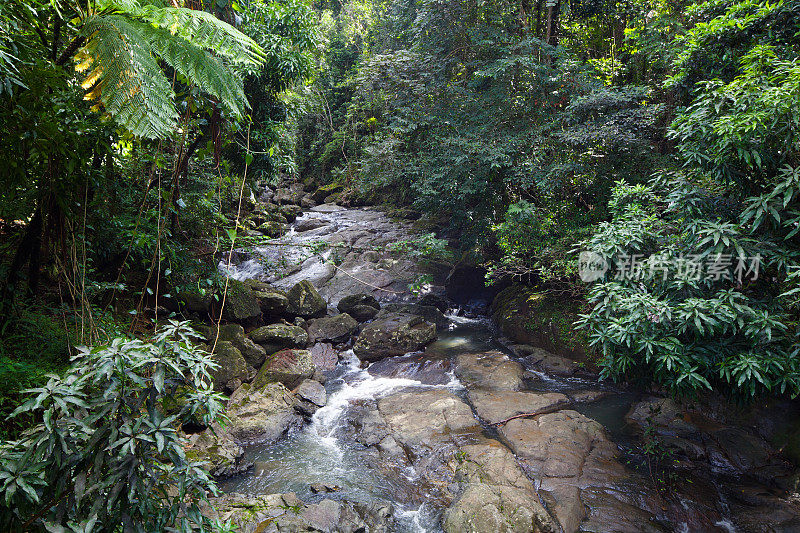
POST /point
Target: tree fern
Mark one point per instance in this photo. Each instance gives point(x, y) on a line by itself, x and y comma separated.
point(124, 42)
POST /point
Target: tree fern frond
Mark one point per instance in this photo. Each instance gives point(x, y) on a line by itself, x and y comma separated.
point(126, 78)
point(204, 69)
point(207, 31)
point(198, 27)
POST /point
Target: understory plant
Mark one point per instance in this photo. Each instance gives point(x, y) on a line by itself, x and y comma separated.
point(107, 453)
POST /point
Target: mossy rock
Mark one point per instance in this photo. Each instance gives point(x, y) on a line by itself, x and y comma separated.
point(279, 336)
point(305, 301)
point(241, 304)
point(530, 316)
point(272, 229)
point(289, 367)
point(326, 190)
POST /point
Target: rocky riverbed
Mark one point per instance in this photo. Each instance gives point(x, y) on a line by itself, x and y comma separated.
point(355, 406)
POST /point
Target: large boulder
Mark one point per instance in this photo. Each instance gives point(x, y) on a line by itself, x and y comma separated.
point(491, 370)
point(241, 304)
point(311, 395)
point(335, 328)
point(305, 301)
point(233, 368)
point(393, 334)
point(259, 413)
point(428, 312)
point(529, 316)
point(289, 367)
point(273, 302)
point(348, 303)
point(195, 301)
point(279, 336)
point(324, 356)
point(220, 453)
point(234, 333)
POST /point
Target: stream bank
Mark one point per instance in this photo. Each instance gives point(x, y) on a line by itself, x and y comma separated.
point(321, 440)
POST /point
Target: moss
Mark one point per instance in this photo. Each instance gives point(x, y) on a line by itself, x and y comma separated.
point(531, 316)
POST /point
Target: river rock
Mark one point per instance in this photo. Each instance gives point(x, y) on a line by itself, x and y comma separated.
point(279, 336)
point(428, 312)
point(233, 368)
point(363, 313)
point(234, 333)
point(496, 494)
point(216, 449)
point(305, 301)
point(569, 453)
point(289, 367)
point(273, 302)
point(495, 406)
point(546, 361)
point(324, 356)
point(310, 397)
point(313, 391)
point(285, 513)
point(259, 414)
point(310, 224)
point(241, 304)
point(491, 370)
point(348, 303)
point(434, 300)
point(337, 328)
point(424, 422)
point(393, 334)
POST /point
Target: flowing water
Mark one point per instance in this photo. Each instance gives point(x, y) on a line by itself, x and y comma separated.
point(321, 452)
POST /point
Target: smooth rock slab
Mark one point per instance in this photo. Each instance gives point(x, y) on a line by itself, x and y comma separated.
point(491, 370)
point(495, 406)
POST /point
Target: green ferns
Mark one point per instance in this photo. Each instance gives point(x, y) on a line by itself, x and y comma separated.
point(125, 41)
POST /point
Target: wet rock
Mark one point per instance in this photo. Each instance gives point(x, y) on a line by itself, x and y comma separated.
point(393, 334)
point(420, 420)
point(309, 224)
point(413, 366)
point(568, 453)
point(232, 367)
point(546, 361)
point(289, 367)
point(234, 333)
point(324, 356)
point(435, 300)
point(337, 328)
point(482, 508)
point(220, 452)
point(279, 336)
point(495, 406)
point(272, 229)
point(348, 303)
point(429, 313)
point(491, 370)
point(241, 304)
point(286, 513)
point(587, 396)
point(259, 414)
point(313, 392)
point(305, 301)
point(530, 316)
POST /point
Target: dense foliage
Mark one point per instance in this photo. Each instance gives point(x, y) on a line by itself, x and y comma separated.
point(107, 450)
